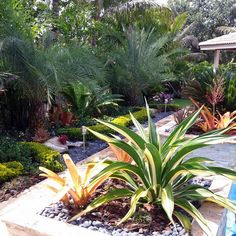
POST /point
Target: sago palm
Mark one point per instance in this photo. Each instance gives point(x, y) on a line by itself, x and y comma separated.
point(140, 63)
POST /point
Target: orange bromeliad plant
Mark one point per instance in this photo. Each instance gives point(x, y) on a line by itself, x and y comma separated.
point(77, 187)
point(211, 122)
point(120, 154)
point(226, 120)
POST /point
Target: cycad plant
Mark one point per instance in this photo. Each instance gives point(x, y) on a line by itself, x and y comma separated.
point(160, 171)
point(141, 63)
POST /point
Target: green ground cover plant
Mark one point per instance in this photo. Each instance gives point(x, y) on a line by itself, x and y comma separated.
point(45, 156)
point(9, 170)
point(18, 158)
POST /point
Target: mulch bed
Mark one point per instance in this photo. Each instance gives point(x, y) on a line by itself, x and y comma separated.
point(147, 220)
point(14, 187)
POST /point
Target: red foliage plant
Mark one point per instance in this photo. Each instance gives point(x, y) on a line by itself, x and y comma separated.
point(41, 135)
point(63, 139)
point(57, 115)
point(215, 94)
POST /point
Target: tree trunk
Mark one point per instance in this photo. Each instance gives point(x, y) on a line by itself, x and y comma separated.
point(99, 7)
point(55, 7)
point(55, 12)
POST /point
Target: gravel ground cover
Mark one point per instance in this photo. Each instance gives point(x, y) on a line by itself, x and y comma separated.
point(149, 220)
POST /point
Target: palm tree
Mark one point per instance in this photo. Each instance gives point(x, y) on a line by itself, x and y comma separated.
point(142, 62)
point(41, 75)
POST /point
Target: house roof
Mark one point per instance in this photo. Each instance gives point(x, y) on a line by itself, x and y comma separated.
point(224, 42)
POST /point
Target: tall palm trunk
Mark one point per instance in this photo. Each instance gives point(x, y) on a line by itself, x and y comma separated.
point(37, 114)
point(55, 11)
point(98, 7)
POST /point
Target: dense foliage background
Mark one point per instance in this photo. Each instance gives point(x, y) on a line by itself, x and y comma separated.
point(67, 60)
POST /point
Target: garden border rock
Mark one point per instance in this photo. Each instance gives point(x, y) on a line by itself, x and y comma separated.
point(19, 216)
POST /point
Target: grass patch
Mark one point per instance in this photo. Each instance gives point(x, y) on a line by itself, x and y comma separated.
point(181, 102)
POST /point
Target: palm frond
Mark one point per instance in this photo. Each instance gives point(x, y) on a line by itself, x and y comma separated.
point(131, 5)
point(225, 30)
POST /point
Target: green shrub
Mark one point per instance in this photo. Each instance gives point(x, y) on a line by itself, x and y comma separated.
point(44, 156)
point(10, 170)
point(121, 111)
point(201, 79)
point(29, 154)
point(230, 95)
point(76, 133)
point(11, 150)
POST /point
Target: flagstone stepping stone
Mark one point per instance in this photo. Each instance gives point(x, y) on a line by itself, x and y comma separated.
point(56, 145)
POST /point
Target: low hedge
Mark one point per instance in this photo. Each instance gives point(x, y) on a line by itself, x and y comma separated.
point(76, 133)
point(45, 156)
point(10, 170)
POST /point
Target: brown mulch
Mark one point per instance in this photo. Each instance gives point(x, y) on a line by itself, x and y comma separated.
point(195, 130)
point(14, 187)
point(146, 216)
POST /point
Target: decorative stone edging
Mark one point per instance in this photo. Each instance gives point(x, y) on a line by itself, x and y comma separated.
point(213, 213)
point(20, 216)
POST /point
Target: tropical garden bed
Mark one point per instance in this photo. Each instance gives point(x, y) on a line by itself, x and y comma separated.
point(146, 211)
point(71, 73)
point(110, 201)
point(32, 223)
point(30, 155)
point(148, 220)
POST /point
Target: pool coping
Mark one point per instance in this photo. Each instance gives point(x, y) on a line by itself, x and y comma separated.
point(19, 216)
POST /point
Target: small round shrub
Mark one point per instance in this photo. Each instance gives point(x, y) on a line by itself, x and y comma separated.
point(44, 156)
point(10, 170)
point(11, 150)
point(30, 155)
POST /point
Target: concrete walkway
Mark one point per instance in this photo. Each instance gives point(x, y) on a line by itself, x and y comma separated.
point(224, 154)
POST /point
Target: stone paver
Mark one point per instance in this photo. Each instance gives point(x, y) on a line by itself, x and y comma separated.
point(56, 145)
point(215, 215)
point(223, 155)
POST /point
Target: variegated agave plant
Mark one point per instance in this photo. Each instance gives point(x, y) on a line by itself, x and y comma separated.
point(162, 171)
